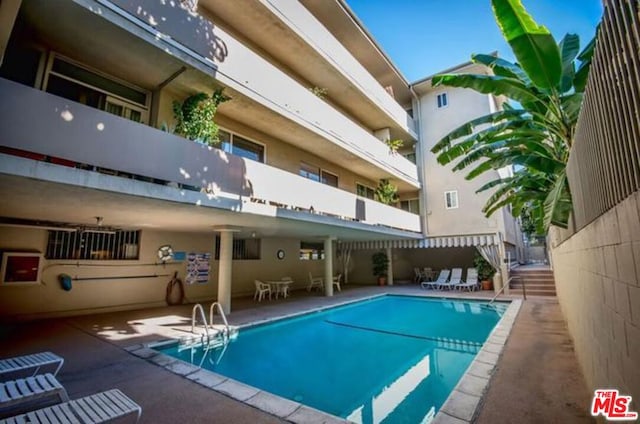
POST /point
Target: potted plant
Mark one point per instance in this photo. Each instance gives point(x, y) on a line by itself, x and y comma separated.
point(380, 267)
point(194, 117)
point(394, 145)
point(486, 271)
point(386, 192)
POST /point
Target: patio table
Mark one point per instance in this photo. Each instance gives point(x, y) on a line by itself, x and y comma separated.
point(280, 287)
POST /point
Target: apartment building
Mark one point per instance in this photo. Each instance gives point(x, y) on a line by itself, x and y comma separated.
point(96, 193)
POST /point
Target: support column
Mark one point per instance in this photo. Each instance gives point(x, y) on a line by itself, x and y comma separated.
point(8, 13)
point(390, 269)
point(328, 266)
point(224, 270)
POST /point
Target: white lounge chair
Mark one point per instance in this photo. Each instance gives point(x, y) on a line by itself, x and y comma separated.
point(442, 279)
point(262, 289)
point(472, 280)
point(102, 407)
point(29, 365)
point(24, 394)
point(456, 276)
point(315, 282)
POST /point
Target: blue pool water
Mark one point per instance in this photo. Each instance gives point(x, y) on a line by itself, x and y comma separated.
point(392, 359)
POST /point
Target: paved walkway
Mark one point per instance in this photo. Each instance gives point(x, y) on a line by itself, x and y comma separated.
point(538, 369)
point(538, 379)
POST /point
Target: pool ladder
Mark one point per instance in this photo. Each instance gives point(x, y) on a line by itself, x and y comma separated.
point(199, 310)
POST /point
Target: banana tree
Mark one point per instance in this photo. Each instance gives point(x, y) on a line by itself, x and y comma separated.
point(533, 132)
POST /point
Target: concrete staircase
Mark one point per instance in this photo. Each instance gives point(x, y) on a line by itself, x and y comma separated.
point(538, 279)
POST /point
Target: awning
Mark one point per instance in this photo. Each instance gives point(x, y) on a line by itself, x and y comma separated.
point(427, 243)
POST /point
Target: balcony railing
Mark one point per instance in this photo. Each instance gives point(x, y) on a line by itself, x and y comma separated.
point(48, 125)
point(235, 65)
point(300, 20)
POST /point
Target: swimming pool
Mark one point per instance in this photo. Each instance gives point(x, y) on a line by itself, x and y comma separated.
point(392, 359)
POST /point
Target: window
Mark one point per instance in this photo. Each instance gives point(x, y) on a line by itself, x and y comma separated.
point(365, 191)
point(239, 146)
point(451, 199)
point(311, 251)
point(316, 174)
point(442, 100)
point(410, 205)
point(309, 171)
point(93, 245)
point(411, 157)
point(73, 82)
point(243, 249)
point(328, 178)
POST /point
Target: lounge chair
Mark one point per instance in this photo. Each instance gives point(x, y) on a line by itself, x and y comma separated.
point(315, 282)
point(102, 407)
point(472, 280)
point(456, 276)
point(262, 289)
point(29, 365)
point(24, 394)
point(442, 278)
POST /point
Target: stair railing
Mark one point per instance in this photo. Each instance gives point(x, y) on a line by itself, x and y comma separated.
point(515, 277)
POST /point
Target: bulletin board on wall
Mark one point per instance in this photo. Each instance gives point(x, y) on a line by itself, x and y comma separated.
point(198, 265)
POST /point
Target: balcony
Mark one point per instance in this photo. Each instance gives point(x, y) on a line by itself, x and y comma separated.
point(281, 27)
point(50, 126)
point(258, 85)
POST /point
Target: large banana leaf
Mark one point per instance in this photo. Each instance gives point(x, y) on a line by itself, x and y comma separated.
point(502, 67)
point(469, 127)
point(489, 84)
point(534, 134)
point(557, 205)
point(532, 44)
point(569, 48)
point(580, 79)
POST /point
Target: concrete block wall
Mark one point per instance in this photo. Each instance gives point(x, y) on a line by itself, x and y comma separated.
point(597, 274)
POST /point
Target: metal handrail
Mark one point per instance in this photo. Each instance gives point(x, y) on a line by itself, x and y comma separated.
point(198, 307)
point(515, 277)
point(221, 313)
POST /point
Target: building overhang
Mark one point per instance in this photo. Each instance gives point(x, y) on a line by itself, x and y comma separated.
point(470, 240)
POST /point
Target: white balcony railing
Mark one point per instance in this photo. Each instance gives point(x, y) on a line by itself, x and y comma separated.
point(48, 125)
point(243, 70)
point(301, 21)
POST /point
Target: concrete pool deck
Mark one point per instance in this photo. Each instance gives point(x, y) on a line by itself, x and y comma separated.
point(93, 347)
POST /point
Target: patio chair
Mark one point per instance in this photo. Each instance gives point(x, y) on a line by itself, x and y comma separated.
point(284, 288)
point(336, 281)
point(472, 280)
point(427, 274)
point(417, 275)
point(104, 407)
point(456, 277)
point(24, 394)
point(262, 289)
point(442, 278)
point(315, 282)
point(29, 365)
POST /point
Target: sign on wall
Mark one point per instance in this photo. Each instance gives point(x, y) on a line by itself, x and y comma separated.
point(198, 268)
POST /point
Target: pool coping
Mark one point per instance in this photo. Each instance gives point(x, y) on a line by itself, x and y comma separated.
point(462, 405)
point(465, 400)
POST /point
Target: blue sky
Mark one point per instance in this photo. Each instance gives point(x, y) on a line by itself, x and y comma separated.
point(423, 37)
